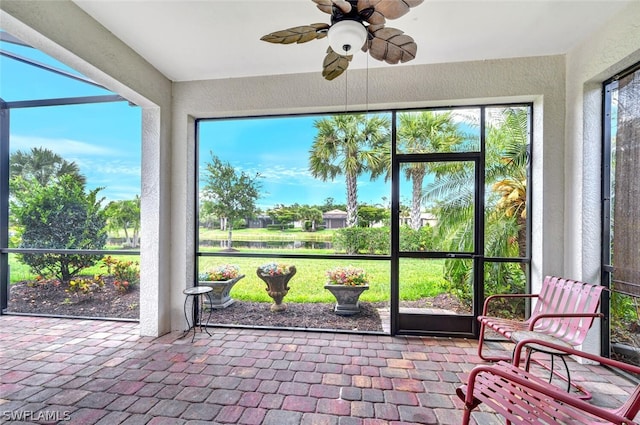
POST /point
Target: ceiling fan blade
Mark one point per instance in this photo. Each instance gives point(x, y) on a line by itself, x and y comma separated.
point(327, 5)
point(334, 64)
point(300, 34)
point(375, 17)
point(343, 5)
point(387, 9)
point(391, 45)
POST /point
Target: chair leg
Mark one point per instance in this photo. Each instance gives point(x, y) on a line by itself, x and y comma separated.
point(481, 345)
point(481, 342)
point(584, 394)
point(568, 373)
point(466, 415)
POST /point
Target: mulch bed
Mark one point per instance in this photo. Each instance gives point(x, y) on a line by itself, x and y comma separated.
point(50, 298)
point(306, 316)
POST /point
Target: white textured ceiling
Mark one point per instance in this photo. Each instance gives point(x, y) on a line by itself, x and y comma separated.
point(210, 39)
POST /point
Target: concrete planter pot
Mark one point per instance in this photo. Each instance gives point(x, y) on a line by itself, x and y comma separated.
point(347, 298)
point(220, 295)
point(277, 287)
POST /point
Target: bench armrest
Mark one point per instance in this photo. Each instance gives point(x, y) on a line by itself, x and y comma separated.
point(490, 298)
point(517, 355)
point(524, 380)
point(629, 409)
point(561, 315)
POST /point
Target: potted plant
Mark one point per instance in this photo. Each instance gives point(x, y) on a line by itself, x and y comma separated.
point(347, 284)
point(276, 276)
point(221, 279)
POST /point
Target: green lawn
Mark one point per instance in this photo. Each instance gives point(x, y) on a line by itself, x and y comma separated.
point(419, 278)
point(257, 235)
point(19, 272)
point(307, 286)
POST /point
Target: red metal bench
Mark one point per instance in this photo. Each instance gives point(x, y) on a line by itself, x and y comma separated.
point(525, 399)
point(565, 309)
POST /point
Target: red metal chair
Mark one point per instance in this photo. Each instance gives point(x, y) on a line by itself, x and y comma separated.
point(565, 309)
point(525, 399)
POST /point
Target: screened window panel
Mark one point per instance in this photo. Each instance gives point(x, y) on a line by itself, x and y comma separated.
point(626, 190)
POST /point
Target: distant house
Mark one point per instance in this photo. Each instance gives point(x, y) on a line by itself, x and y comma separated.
point(425, 219)
point(260, 222)
point(335, 219)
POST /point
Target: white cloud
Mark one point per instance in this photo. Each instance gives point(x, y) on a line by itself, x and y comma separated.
point(66, 148)
point(280, 173)
point(104, 168)
point(119, 193)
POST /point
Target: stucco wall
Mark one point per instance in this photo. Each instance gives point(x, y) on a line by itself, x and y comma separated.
point(566, 192)
point(68, 34)
point(540, 80)
point(611, 50)
point(615, 47)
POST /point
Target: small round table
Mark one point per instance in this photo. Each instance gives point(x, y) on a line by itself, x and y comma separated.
point(533, 347)
point(196, 308)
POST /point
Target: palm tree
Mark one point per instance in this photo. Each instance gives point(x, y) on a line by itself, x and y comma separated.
point(312, 215)
point(505, 178)
point(125, 215)
point(350, 144)
point(42, 165)
point(509, 172)
point(424, 132)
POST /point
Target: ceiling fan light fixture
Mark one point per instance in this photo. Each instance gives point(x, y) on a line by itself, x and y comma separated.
point(346, 37)
point(354, 23)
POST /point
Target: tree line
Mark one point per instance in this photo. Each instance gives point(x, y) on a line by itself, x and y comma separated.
point(354, 145)
point(51, 208)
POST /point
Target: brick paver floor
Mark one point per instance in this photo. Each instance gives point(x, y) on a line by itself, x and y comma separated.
point(102, 372)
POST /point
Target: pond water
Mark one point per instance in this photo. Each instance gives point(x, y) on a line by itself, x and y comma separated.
point(267, 244)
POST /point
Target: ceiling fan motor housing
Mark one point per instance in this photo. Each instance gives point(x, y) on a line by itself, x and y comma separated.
point(355, 25)
point(348, 33)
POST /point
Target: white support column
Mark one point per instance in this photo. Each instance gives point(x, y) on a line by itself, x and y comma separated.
point(155, 269)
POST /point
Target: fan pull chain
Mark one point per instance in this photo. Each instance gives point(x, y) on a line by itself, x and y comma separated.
point(366, 90)
point(366, 100)
point(346, 98)
point(346, 90)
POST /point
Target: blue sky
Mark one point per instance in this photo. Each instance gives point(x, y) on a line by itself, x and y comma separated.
point(104, 139)
point(278, 149)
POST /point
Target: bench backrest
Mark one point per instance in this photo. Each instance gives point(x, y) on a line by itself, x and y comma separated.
point(565, 296)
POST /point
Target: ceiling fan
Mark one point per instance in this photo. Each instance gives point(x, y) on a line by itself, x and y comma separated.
point(348, 32)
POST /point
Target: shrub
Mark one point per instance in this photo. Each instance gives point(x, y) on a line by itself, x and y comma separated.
point(280, 226)
point(85, 286)
point(357, 240)
point(59, 215)
point(623, 310)
point(499, 278)
point(378, 240)
point(416, 240)
point(239, 223)
point(126, 273)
